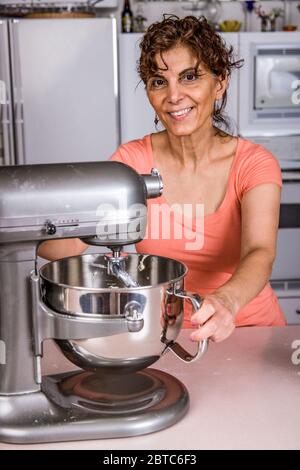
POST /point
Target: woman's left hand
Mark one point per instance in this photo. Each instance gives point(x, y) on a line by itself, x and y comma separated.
point(214, 318)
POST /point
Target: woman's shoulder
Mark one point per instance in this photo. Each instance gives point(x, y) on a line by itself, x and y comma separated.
point(250, 151)
point(255, 165)
point(136, 153)
point(252, 156)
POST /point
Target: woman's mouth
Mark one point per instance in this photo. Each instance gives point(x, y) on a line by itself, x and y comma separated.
point(180, 114)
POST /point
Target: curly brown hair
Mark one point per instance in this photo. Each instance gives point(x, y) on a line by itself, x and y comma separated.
point(197, 34)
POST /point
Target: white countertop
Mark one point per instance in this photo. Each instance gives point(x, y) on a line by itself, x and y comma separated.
point(244, 394)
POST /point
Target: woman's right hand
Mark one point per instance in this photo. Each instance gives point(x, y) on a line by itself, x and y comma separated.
point(215, 319)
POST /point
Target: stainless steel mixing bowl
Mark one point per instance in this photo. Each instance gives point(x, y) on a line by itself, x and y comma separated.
point(82, 286)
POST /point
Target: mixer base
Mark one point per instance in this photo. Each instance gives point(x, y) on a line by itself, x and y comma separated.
point(88, 405)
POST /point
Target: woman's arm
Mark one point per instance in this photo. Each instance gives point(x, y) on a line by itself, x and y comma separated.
point(260, 216)
point(56, 249)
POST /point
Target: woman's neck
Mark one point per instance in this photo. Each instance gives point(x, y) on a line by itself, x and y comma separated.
point(192, 151)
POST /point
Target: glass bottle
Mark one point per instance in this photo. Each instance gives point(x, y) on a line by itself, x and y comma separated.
point(264, 24)
point(127, 18)
point(140, 19)
point(273, 24)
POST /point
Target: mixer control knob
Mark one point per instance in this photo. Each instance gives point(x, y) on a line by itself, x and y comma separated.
point(50, 228)
point(134, 316)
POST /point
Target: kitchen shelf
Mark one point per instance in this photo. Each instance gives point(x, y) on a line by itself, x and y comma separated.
point(207, 1)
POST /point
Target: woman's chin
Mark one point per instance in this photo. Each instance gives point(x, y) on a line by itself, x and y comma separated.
point(181, 131)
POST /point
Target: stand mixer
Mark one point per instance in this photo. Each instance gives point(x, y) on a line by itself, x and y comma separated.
point(137, 304)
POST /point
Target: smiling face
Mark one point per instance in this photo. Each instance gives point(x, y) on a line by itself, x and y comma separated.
point(183, 96)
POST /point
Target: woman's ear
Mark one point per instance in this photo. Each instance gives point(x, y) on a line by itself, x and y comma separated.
point(221, 86)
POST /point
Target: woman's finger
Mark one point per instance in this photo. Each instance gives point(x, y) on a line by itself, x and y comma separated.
point(204, 313)
point(205, 331)
point(223, 334)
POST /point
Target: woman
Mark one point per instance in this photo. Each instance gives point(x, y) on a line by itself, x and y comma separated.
point(233, 183)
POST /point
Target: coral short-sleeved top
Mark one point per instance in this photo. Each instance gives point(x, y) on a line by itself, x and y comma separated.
point(210, 245)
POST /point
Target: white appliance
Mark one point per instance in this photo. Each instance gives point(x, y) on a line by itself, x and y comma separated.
point(269, 92)
point(137, 116)
point(286, 269)
point(58, 90)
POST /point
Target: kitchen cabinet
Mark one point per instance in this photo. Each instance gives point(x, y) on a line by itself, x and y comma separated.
point(291, 309)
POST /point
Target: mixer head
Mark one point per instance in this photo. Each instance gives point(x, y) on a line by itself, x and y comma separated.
point(103, 203)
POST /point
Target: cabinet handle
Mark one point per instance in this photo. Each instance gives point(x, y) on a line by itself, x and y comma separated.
point(298, 311)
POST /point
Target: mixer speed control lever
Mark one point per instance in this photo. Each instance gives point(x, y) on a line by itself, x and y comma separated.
point(50, 228)
point(134, 316)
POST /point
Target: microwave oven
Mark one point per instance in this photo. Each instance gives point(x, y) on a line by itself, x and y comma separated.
point(277, 79)
point(269, 84)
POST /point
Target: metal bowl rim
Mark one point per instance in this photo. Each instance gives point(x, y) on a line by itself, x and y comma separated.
point(112, 289)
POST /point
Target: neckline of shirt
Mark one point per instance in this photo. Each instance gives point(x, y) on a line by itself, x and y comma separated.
point(229, 188)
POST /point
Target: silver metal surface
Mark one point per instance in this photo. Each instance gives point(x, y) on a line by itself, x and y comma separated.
point(153, 183)
point(98, 323)
point(47, 323)
point(30, 196)
point(80, 355)
point(17, 373)
point(116, 267)
point(38, 193)
point(5, 98)
point(81, 287)
point(18, 103)
point(77, 406)
point(176, 349)
point(112, 211)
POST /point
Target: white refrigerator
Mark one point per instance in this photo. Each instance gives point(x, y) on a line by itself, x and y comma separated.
point(58, 90)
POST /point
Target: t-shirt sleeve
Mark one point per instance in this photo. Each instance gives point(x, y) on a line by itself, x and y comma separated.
point(135, 154)
point(259, 167)
point(121, 155)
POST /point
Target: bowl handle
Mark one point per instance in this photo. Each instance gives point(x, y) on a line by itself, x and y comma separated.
point(178, 350)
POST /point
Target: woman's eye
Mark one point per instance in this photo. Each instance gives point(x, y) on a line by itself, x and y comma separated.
point(157, 83)
point(190, 77)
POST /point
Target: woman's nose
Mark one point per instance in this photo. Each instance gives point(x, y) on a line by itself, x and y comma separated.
point(174, 93)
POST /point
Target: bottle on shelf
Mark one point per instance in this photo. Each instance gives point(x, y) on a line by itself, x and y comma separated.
point(127, 18)
point(139, 19)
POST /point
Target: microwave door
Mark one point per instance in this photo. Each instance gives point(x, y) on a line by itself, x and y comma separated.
point(275, 79)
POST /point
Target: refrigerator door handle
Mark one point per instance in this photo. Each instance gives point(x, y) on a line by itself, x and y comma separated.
point(5, 98)
point(5, 119)
point(18, 99)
